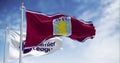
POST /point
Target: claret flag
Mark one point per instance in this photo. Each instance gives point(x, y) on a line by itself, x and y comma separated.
point(40, 27)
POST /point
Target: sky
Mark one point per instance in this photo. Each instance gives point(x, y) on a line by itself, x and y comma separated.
point(104, 14)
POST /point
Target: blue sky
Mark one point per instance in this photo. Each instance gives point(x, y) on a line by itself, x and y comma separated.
point(104, 48)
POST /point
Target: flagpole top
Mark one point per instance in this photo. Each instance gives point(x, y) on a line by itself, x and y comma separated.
point(23, 3)
point(6, 25)
point(22, 7)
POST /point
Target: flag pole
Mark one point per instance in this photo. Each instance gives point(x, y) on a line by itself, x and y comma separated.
point(21, 30)
point(6, 29)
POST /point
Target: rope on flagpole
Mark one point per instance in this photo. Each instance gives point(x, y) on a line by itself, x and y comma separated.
point(21, 31)
point(6, 30)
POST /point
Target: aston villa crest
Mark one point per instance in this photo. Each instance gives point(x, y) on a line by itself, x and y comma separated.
point(62, 26)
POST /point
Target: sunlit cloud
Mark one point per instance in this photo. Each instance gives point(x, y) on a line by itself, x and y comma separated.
point(105, 46)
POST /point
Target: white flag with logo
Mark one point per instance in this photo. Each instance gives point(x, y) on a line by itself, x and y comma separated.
point(46, 47)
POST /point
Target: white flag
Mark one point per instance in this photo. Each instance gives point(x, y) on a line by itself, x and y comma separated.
point(46, 47)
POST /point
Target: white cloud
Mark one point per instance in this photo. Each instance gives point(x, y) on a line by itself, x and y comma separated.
point(86, 1)
point(88, 15)
point(105, 46)
point(68, 42)
point(107, 2)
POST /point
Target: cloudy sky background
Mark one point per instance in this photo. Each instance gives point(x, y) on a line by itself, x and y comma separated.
point(104, 48)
